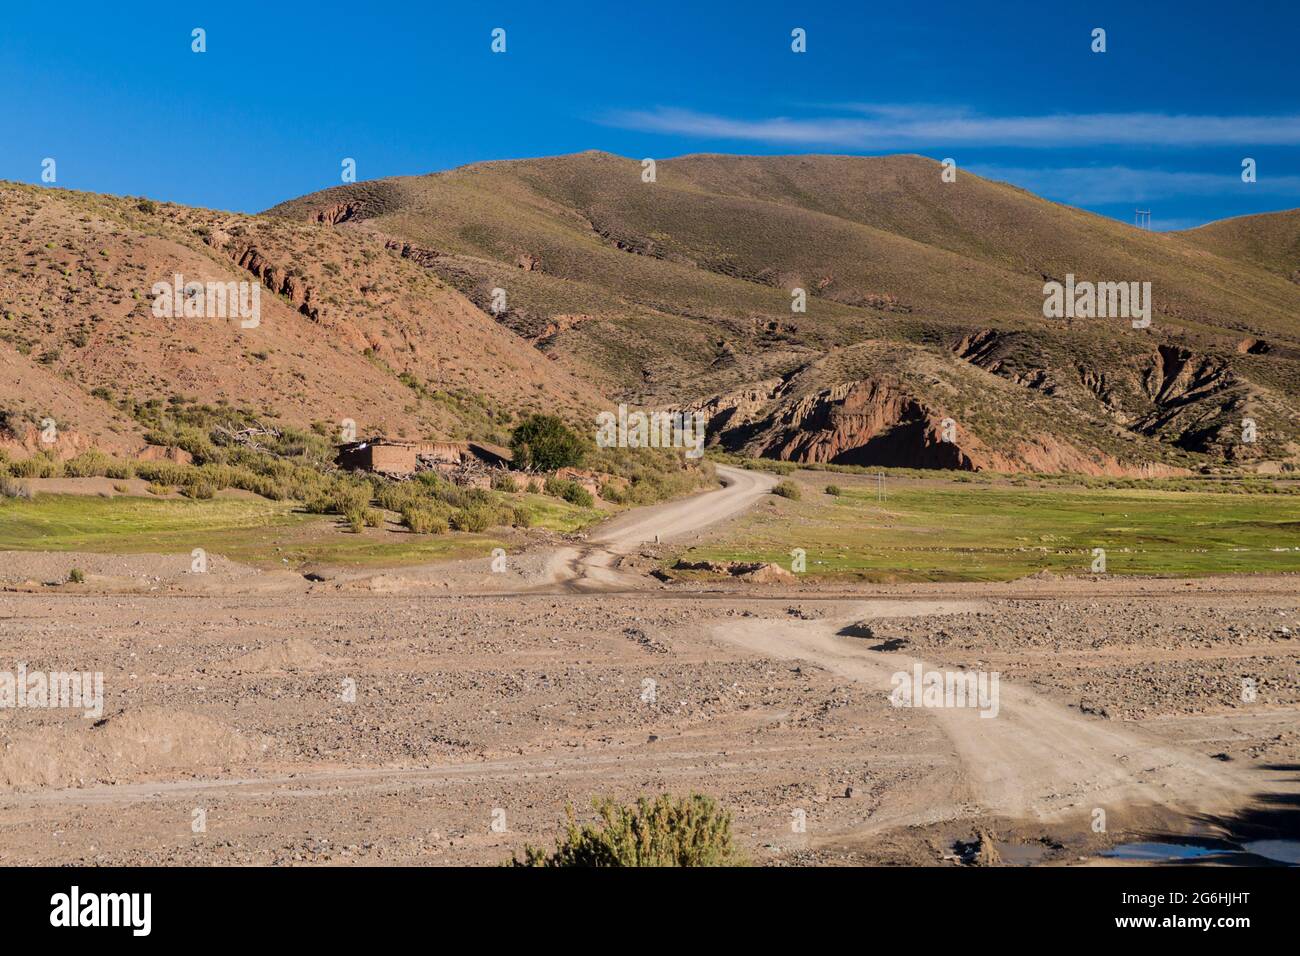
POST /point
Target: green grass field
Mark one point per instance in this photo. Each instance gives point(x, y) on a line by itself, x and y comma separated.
point(939, 530)
point(245, 529)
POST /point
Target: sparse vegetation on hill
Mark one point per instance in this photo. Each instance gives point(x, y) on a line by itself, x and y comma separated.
point(923, 305)
point(348, 328)
point(926, 295)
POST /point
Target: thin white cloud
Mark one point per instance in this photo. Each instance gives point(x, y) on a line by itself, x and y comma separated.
point(1174, 225)
point(878, 127)
point(1095, 185)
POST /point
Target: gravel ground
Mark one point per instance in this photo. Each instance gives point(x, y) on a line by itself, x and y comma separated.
point(476, 720)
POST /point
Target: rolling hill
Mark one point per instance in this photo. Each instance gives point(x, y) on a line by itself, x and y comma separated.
point(923, 341)
point(924, 302)
point(348, 328)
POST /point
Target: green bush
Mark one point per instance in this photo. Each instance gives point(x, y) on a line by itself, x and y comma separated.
point(9, 488)
point(166, 472)
point(394, 496)
point(318, 504)
point(520, 518)
point(37, 466)
point(544, 442)
point(454, 496)
point(119, 469)
point(692, 831)
point(198, 488)
point(835, 490)
point(504, 481)
point(787, 489)
point(570, 491)
point(474, 519)
point(76, 576)
point(89, 464)
point(580, 496)
point(346, 498)
point(424, 519)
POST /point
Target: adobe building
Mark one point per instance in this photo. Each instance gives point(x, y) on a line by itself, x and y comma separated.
point(399, 459)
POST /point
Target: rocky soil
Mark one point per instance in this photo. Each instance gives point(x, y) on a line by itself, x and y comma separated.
point(234, 709)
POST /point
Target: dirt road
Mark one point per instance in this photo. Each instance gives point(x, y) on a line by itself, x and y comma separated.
point(594, 567)
point(1030, 757)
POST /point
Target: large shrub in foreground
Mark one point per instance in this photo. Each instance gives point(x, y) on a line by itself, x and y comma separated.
point(670, 831)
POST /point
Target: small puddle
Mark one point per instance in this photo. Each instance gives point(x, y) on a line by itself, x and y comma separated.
point(1022, 854)
point(1278, 851)
point(1163, 851)
point(1281, 851)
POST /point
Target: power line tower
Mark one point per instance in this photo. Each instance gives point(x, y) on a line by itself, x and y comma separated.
point(1143, 218)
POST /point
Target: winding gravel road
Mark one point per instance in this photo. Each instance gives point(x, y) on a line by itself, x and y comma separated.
point(595, 566)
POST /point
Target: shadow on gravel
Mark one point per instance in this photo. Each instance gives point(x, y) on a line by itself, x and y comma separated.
point(1264, 833)
point(864, 632)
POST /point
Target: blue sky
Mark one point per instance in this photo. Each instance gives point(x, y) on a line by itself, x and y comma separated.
point(1161, 120)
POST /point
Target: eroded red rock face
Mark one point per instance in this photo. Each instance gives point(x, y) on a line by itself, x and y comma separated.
point(278, 279)
point(338, 212)
point(409, 250)
point(865, 423)
point(877, 422)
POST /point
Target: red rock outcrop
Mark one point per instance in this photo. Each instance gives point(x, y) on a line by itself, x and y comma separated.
point(869, 422)
point(339, 212)
point(409, 250)
point(290, 284)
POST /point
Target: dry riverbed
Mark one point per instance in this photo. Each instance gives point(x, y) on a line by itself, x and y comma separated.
point(477, 719)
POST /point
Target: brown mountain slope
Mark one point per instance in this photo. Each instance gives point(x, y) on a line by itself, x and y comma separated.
point(1270, 241)
point(349, 329)
point(32, 398)
point(679, 291)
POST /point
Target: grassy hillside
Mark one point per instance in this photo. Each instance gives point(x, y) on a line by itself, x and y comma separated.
point(1270, 241)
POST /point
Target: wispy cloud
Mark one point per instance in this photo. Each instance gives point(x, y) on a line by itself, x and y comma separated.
point(1096, 185)
point(1166, 224)
point(874, 127)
